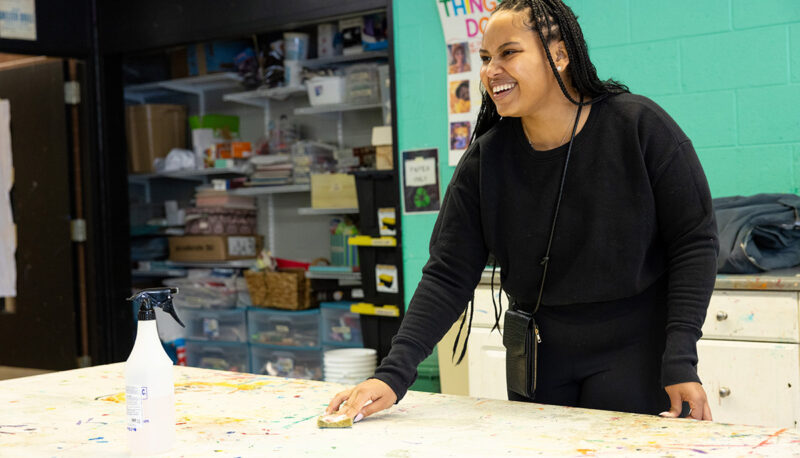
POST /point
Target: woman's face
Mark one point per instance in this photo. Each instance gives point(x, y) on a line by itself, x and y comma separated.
point(515, 70)
point(458, 54)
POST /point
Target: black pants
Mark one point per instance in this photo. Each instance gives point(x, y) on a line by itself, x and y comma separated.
point(603, 355)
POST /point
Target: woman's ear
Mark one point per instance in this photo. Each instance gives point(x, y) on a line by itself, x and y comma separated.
point(558, 51)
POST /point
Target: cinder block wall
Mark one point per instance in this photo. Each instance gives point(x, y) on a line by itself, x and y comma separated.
point(728, 71)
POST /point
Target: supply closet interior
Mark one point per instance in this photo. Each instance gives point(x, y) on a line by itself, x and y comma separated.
point(273, 142)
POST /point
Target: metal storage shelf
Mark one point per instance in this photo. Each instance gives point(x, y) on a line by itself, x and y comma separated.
point(158, 273)
point(199, 174)
point(326, 211)
point(235, 264)
point(265, 190)
point(325, 61)
point(345, 276)
point(334, 108)
point(262, 96)
point(191, 85)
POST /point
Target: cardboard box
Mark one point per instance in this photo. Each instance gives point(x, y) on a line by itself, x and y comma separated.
point(152, 130)
point(333, 190)
point(383, 157)
point(213, 248)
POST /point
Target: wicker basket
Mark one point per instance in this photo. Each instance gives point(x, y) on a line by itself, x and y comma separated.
point(288, 289)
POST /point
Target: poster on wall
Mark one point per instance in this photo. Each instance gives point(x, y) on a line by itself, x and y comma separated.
point(18, 19)
point(421, 180)
point(463, 22)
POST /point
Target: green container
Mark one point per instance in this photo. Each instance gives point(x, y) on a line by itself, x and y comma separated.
point(220, 123)
point(428, 375)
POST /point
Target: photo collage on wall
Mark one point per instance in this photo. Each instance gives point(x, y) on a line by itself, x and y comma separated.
point(463, 24)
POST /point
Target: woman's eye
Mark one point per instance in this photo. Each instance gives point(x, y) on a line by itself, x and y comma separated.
point(509, 52)
point(485, 59)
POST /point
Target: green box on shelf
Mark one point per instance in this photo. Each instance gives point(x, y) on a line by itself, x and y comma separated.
point(218, 122)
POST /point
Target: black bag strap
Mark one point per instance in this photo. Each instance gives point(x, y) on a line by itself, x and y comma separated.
point(546, 259)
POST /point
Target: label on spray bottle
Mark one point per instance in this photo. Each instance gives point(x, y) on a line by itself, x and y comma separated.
point(135, 396)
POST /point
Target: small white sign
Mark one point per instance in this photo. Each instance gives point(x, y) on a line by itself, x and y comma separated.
point(387, 221)
point(421, 172)
point(386, 279)
point(18, 19)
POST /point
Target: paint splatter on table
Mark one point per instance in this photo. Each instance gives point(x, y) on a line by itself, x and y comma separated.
point(82, 412)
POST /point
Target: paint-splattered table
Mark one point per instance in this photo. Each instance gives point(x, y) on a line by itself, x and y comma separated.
point(81, 412)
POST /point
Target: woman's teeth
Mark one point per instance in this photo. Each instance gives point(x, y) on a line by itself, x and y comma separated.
point(503, 87)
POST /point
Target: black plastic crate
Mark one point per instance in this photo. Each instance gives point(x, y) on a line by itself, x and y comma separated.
point(370, 257)
point(375, 189)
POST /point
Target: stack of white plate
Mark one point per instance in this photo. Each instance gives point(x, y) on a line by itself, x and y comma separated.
point(349, 365)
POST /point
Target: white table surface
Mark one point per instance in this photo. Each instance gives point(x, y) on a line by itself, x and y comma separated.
point(82, 413)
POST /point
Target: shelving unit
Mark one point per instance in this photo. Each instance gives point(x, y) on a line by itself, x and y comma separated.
point(327, 211)
point(290, 226)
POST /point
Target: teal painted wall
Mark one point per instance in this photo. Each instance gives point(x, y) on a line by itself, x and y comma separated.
point(728, 71)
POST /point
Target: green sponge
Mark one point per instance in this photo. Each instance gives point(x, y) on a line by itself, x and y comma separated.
point(335, 420)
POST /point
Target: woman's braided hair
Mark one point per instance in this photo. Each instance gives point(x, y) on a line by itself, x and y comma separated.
point(553, 20)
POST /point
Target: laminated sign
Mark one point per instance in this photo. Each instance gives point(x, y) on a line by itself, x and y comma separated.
point(421, 181)
point(386, 279)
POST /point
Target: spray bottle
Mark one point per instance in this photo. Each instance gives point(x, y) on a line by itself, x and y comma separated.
point(149, 386)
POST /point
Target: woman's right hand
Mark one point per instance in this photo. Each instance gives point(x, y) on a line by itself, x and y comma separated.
point(352, 402)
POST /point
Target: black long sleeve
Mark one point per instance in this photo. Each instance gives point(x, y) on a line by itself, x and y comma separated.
point(636, 207)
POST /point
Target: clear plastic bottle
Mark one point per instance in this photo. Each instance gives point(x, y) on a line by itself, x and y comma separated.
point(149, 386)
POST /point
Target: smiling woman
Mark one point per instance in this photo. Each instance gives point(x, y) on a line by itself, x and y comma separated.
point(597, 211)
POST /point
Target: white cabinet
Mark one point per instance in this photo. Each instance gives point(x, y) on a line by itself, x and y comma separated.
point(749, 357)
point(753, 383)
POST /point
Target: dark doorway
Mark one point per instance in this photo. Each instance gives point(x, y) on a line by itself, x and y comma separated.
point(39, 328)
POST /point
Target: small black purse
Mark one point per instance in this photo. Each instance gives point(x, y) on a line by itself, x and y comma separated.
point(521, 339)
point(520, 334)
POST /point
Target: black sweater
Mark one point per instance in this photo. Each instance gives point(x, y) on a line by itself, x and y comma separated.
point(636, 206)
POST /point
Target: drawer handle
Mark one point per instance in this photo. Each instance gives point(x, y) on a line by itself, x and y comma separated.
point(722, 316)
point(724, 392)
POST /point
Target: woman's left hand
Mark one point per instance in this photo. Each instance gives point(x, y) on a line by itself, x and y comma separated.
point(694, 394)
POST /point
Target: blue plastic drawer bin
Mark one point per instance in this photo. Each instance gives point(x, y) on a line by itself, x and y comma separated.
point(215, 324)
point(340, 326)
point(286, 328)
point(293, 362)
point(226, 356)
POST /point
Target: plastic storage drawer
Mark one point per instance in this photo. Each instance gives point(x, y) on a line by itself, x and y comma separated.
point(228, 356)
point(286, 328)
point(213, 324)
point(340, 326)
point(294, 362)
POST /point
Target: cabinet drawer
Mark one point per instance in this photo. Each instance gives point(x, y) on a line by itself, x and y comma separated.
point(484, 309)
point(751, 383)
point(751, 315)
